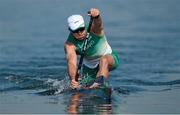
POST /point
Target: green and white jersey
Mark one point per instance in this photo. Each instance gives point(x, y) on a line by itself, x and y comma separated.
point(97, 46)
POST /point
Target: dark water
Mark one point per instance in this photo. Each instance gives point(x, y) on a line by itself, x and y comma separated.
point(145, 34)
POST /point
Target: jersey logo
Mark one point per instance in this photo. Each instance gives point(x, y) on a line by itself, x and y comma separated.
point(90, 42)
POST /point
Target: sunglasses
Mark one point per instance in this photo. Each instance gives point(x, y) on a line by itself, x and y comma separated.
point(78, 30)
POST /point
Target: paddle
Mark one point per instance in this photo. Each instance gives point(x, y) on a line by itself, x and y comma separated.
point(83, 50)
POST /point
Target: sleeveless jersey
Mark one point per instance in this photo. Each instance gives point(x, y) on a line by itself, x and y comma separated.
point(97, 46)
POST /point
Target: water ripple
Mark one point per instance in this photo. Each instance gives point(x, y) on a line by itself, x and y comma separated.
point(149, 83)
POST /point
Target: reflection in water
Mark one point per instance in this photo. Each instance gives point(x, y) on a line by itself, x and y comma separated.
point(81, 103)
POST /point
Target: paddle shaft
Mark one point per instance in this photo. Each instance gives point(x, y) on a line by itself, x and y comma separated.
point(83, 50)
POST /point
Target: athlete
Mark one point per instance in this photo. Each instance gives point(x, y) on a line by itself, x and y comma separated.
point(99, 58)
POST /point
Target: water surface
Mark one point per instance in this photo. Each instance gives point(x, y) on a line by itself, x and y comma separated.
point(144, 33)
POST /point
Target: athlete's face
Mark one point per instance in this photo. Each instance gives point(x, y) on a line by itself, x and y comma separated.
point(80, 33)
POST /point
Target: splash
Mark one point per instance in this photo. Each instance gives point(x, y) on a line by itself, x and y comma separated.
point(56, 86)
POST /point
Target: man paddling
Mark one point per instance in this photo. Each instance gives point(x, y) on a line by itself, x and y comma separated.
point(98, 56)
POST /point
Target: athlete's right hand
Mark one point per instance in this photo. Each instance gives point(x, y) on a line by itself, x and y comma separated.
point(93, 12)
point(74, 84)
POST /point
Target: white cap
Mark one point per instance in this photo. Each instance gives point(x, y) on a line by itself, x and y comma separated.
point(75, 22)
